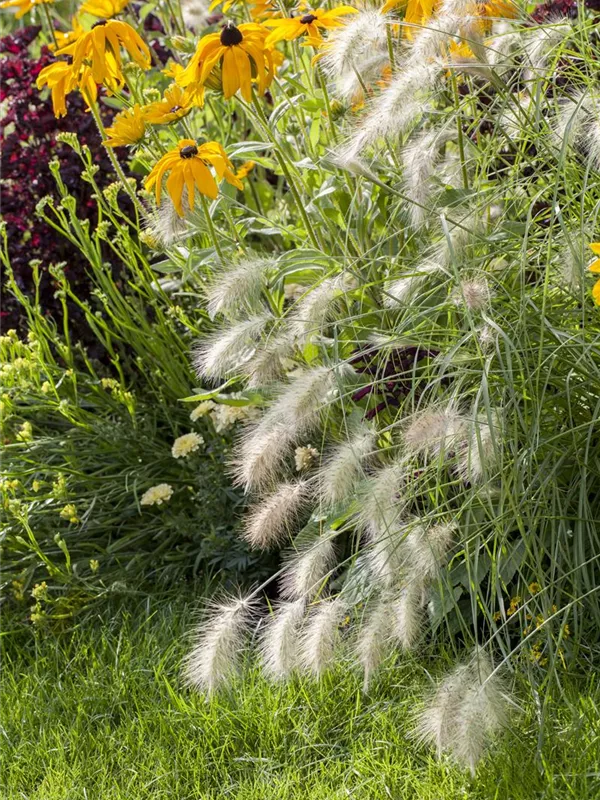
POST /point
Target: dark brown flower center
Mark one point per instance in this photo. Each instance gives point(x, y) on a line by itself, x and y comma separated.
point(189, 151)
point(100, 22)
point(307, 19)
point(230, 35)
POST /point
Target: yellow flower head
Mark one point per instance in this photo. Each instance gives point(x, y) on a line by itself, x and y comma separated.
point(23, 6)
point(240, 52)
point(100, 49)
point(259, 9)
point(65, 39)
point(104, 9)
point(61, 78)
point(595, 268)
point(310, 24)
point(189, 165)
point(245, 170)
point(128, 128)
point(176, 103)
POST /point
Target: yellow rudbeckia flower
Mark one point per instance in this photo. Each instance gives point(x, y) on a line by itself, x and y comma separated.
point(105, 9)
point(61, 79)
point(310, 23)
point(240, 52)
point(188, 165)
point(128, 128)
point(23, 6)
point(259, 9)
point(100, 49)
point(176, 103)
point(595, 268)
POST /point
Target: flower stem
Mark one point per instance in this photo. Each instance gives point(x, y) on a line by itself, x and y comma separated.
point(114, 160)
point(211, 228)
point(50, 25)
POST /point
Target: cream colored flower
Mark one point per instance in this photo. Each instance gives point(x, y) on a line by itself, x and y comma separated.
point(225, 416)
point(25, 433)
point(69, 512)
point(305, 457)
point(157, 495)
point(186, 444)
point(94, 564)
point(202, 409)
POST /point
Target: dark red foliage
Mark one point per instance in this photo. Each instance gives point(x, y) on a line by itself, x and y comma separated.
point(29, 130)
point(555, 9)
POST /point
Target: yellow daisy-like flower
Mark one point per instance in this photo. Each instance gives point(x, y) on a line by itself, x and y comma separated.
point(100, 49)
point(23, 6)
point(105, 9)
point(62, 79)
point(176, 103)
point(595, 268)
point(188, 165)
point(245, 170)
point(259, 9)
point(240, 52)
point(310, 24)
point(128, 128)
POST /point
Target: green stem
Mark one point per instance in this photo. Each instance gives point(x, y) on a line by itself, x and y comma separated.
point(50, 25)
point(115, 162)
point(287, 174)
point(211, 228)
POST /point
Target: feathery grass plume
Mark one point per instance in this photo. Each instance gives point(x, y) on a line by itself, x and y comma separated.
point(195, 13)
point(238, 289)
point(426, 548)
point(318, 306)
point(374, 637)
point(280, 640)
point(343, 468)
point(435, 431)
point(408, 612)
point(420, 158)
point(268, 364)
point(269, 521)
point(537, 45)
point(301, 405)
point(402, 290)
point(260, 455)
point(165, 225)
point(394, 111)
point(355, 53)
point(321, 634)
point(480, 452)
point(220, 639)
point(474, 294)
point(468, 707)
point(306, 570)
point(381, 502)
point(574, 259)
point(224, 353)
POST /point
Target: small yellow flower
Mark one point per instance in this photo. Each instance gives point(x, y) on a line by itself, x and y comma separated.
point(186, 444)
point(534, 587)
point(310, 24)
point(245, 170)
point(128, 128)
point(188, 165)
point(157, 495)
point(18, 590)
point(23, 6)
point(259, 9)
point(46, 387)
point(94, 564)
point(99, 49)
point(61, 78)
point(105, 9)
point(36, 486)
point(594, 267)
point(40, 591)
point(241, 54)
point(175, 104)
point(69, 512)
point(25, 433)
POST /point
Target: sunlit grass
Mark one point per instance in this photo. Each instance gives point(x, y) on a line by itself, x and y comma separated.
point(100, 713)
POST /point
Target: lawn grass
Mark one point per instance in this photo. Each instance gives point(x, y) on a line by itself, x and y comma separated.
point(100, 714)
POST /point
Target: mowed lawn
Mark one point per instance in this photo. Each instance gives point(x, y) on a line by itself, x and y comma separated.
point(99, 713)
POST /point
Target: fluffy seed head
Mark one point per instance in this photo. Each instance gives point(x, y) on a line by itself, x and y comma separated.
point(421, 158)
point(261, 454)
point(374, 638)
point(280, 640)
point(220, 640)
point(271, 520)
point(426, 548)
point(321, 635)
point(344, 467)
point(407, 613)
point(480, 452)
point(434, 431)
point(238, 289)
point(473, 295)
point(306, 570)
point(312, 313)
point(402, 291)
point(224, 353)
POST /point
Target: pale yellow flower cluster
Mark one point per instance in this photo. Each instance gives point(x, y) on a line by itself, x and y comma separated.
point(186, 444)
point(157, 495)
